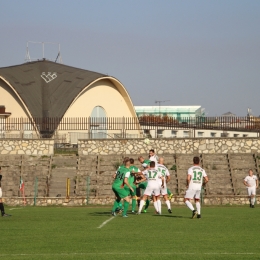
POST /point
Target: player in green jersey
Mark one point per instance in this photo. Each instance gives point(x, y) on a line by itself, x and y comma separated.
point(142, 160)
point(121, 179)
point(133, 172)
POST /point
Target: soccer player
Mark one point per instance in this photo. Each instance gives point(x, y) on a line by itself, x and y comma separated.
point(153, 156)
point(1, 202)
point(142, 160)
point(121, 179)
point(196, 176)
point(164, 191)
point(152, 175)
point(161, 161)
point(251, 182)
point(133, 172)
point(142, 184)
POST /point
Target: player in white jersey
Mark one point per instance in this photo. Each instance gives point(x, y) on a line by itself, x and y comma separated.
point(153, 156)
point(165, 173)
point(153, 187)
point(251, 182)
point(195, 178)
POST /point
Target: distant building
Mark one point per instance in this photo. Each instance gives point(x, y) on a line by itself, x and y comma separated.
point(39, 90)
point(178, 112)
point(228, 114)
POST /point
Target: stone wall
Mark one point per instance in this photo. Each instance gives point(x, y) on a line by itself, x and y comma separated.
point(82, 201)
point(169, 146)
point(26, 146)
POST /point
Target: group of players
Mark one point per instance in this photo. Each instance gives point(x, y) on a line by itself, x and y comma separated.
point(153, 180)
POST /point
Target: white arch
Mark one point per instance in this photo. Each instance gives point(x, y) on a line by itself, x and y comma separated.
point(119, 87)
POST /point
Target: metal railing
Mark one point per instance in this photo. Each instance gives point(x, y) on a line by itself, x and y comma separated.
point(47, 127)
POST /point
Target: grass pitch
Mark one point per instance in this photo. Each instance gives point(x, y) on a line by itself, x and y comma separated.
point(91, 233)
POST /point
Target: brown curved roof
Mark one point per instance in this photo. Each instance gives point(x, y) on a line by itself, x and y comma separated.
point(42, 97)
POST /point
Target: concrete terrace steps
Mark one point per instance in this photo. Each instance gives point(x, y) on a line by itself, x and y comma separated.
point(63, 167)
point(27, 167)
point(226, 173)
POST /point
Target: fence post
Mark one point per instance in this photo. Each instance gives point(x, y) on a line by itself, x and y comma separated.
point(68, 188)
point(35, 190)
point(88, 186)
point(202, 195)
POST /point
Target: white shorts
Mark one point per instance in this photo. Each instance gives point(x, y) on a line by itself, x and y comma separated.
point(152, 190)
point(1, 193)
point(251, 191)
point(163, 190)
point(192, 194)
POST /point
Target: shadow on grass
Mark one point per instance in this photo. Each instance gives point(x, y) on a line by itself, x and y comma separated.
point(169, 216)
point(108, 213)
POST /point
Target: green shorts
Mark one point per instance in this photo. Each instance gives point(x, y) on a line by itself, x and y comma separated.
point(120, 192)
point(142, 185)
point(129, 191)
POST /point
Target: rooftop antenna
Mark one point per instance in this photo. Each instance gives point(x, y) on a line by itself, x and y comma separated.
point(28, 56)
point(159, 102)
point(249, 112)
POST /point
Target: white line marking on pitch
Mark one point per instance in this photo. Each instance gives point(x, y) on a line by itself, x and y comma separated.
point(15, 208)
point(104, 223)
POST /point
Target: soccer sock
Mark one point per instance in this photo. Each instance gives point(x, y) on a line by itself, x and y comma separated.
point(156, 206)
point(126, 205)
point(120, 205)
point(253, 200)
point(2, 208)
point(141, 205)
point(168, 192)
point(147, 203)
point(133, 204)
point(198, 206)
point(189, 205)
point(168, 204)
point(159, 203)
point(114, 206)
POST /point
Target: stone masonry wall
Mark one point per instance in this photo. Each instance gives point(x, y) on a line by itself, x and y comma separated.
point(82, 201)
point(169, 146)
point(26, 146)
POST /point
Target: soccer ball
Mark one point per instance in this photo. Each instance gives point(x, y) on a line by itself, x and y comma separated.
point(146, 141)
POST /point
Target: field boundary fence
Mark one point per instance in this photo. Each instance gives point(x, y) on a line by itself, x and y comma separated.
point(116, 127)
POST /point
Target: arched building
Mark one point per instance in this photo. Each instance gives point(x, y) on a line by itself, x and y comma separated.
point(38, 91)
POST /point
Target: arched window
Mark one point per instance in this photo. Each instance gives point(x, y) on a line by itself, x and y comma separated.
point(98, 123)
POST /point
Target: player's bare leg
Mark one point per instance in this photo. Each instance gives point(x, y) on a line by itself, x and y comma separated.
point(190, 206)
point(142, 202)
point(126, 205)
point(252, 201)
point(167, 201)
point(116, 205)
point(197, 201)
point(158, 203)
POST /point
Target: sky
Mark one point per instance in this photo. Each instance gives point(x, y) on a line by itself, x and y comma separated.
point(192, 52)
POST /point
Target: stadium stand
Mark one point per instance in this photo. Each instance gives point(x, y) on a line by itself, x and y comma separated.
point(94, 173)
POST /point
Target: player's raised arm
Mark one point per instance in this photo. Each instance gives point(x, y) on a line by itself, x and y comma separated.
point(143, 178)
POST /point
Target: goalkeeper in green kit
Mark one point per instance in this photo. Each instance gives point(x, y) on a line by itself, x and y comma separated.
point(120, 179)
